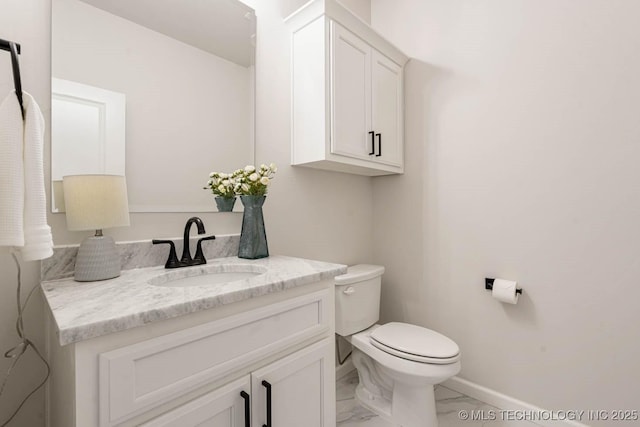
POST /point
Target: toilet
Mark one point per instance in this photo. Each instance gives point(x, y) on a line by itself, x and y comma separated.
point(398, 364)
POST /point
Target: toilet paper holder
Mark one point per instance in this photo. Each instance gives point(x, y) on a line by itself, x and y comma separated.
point(488, 285)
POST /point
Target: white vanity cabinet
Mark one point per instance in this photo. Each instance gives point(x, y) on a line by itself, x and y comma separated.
point(206, 368)
point(295, 389)
point(287, 393)
point(347, 93)
point(223, 407)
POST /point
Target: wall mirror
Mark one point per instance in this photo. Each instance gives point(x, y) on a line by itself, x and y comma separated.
point(160, 90)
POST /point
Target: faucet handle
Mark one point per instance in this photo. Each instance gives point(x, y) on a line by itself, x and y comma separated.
point(172, 261)
point(199, 257)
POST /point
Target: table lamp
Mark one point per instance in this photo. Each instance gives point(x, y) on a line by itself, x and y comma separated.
point(94, 202)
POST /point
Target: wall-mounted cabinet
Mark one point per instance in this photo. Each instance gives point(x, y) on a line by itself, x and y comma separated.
point(347, 93)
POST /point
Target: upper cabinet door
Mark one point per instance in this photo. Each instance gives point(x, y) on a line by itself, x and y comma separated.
point(350, 94)
point(387, 106)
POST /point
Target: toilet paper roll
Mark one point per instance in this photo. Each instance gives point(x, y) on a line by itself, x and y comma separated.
point(505, 291)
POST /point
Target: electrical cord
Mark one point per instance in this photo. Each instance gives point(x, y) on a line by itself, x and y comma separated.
point(17, 351)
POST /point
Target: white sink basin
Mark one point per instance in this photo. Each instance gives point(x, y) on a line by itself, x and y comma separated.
point(207, 275)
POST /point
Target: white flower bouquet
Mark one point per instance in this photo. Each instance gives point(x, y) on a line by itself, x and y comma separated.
point(252, 181)
point(221, 184)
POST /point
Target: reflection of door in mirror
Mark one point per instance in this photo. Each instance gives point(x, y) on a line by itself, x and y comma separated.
point(89, 130)
point(187, 69)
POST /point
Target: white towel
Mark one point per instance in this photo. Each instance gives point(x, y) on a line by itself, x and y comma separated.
point(38, 243)
point(23, 212)
point(11, 173)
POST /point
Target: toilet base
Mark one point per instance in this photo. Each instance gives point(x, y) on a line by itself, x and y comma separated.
point(414, 406)
point(403, 405)
point(398, 390)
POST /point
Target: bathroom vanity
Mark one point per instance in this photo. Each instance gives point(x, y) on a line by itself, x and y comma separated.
point(251, 347)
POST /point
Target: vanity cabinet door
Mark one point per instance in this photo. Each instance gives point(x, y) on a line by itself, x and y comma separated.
point(227, 406)
point(298, 390)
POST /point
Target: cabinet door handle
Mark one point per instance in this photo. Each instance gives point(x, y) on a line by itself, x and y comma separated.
point(268, 387)
point(379, 135)
point(247, 409)
point(373, 144)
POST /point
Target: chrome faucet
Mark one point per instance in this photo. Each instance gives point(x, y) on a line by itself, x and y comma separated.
point(186, 260)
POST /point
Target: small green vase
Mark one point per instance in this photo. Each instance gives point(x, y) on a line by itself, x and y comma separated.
point(253, 238)
point(225, 204)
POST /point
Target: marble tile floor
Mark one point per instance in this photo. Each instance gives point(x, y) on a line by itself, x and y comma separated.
point(449, 405)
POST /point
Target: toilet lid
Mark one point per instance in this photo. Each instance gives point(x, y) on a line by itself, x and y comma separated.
point(415, 343)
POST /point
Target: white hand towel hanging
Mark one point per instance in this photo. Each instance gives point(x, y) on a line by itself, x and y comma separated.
point(38, 243)
point(23, 213)
point(11, 173)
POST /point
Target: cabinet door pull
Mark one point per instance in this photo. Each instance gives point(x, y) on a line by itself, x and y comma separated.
point(379, 135)
point(247, 409)
point(373, 144)
point(268, 387)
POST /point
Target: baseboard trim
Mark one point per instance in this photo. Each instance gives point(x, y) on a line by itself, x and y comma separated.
point(509, 403)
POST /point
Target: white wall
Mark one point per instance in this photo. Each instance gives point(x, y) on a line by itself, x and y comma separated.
point(309, 213)
point(522, 162)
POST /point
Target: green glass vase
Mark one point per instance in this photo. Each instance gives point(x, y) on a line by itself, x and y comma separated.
point(225, 204)
point(253, 238)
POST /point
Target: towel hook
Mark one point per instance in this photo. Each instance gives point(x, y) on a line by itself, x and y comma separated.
point(14, 48)
point(16, 75)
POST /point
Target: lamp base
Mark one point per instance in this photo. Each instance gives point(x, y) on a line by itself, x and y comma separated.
point(97, 259)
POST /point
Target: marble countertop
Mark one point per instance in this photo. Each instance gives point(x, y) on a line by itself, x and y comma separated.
point(84, 310)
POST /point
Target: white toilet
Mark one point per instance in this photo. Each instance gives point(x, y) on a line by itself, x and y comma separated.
point(398, 364)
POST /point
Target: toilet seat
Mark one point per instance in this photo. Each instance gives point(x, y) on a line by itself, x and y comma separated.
point(415, 343)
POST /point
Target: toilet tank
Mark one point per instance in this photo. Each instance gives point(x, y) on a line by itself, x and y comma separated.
point(358, 298)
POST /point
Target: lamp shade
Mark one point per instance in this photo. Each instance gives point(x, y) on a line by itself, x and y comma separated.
point(94, 202)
